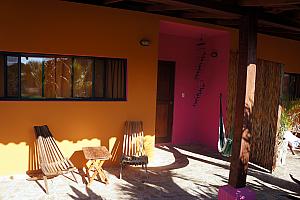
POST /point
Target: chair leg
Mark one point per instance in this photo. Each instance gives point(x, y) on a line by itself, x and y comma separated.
point(46, 184)
point(146, 171)
point(121, 170)
point(83, 175)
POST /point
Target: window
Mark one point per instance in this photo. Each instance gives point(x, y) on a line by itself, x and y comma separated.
point(291, 86)
point(35, 77)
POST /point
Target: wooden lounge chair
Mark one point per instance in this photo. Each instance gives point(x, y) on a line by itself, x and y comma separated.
point(133, 146)
point(51, 160)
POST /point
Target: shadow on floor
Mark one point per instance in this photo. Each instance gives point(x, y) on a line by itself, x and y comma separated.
point(90, 194)
point(270, 185)
point(295, 180)
point(161, 181)
point(171, 181)
point(254, 171)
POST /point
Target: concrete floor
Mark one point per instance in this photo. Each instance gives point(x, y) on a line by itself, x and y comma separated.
point(179, 172)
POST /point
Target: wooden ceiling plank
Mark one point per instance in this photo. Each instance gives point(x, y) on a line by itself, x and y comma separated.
point(201, 15)
point(281, 33)
point(106, 2)
point(277, 20)
point(279, 25)
point(267, 3)
point(228, 22)
point(158, 8)
point(191, 5)
point(276, 30)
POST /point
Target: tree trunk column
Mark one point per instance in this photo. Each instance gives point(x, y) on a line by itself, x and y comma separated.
point(244, 101)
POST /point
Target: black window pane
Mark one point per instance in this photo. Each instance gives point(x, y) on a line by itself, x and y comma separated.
point(285, 86)
point(291, 86)
point(31, 76)
point(12, 80)
point(297, 87)
point(83, 76)
point(99, 78)
point(1, 76)
point(57, 83)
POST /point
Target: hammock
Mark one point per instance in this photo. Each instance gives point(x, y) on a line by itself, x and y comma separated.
point(224, 144)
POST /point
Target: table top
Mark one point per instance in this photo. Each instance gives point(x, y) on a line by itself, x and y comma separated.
point(92, 153)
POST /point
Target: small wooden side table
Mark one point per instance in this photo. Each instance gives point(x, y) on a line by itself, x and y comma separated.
point(97, 156)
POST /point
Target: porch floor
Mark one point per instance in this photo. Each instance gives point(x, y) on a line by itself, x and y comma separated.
point(179, 172)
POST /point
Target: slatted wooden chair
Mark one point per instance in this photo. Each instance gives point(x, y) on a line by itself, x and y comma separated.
point(133, 146)
point(51, 160)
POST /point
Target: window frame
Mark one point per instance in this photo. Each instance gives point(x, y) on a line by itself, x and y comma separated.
point(93, 98)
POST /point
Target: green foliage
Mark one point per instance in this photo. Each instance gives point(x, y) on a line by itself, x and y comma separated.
point(289, 117)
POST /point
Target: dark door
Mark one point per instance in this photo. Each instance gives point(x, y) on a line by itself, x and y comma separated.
point(164, 101)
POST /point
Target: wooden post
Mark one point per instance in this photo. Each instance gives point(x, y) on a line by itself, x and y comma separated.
point(244, 101)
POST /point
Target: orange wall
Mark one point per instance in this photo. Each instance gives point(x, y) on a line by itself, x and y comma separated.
point(280, 50)
point(70, 28)
point(275, 49)
point(77, 29)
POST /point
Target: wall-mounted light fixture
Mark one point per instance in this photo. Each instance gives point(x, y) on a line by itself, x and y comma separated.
point(145, 42)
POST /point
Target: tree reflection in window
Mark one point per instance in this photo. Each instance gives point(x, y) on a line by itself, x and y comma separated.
point(57, 83)
point(31, 76)
point(82, 69)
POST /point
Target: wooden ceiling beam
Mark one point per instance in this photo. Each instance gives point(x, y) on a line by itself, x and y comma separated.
point(267, 3)
point(279, 31)
point(204, 15)
point(279, 25)
point(194, 5)
point(222, 10)
point(287, 35)
point(283, 9)
point(228, 22)
point(233, 23)
point(218, 12)
point(159, 8)
point(106, 2)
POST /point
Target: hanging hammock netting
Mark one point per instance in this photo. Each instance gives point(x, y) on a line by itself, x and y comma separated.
point(224, 144)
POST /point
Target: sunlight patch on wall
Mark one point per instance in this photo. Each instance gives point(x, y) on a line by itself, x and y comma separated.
point(113, 147)
point(15, 157)
point(148, 145)
point(69, 147)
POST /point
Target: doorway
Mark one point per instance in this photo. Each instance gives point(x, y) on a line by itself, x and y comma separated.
point(164, 101)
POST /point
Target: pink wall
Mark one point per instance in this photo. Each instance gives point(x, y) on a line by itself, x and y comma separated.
point(196, 123)
point(215, 75)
